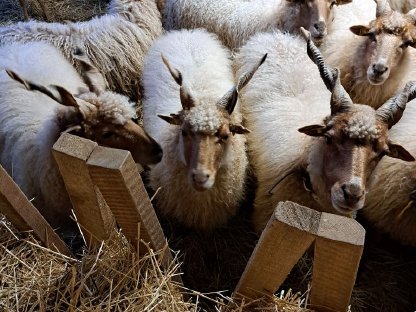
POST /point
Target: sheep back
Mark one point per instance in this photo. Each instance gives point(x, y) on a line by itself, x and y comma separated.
point(28, 125)
point(285, 94)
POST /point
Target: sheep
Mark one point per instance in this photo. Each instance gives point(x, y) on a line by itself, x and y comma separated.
point(115, 43)
point(337, 157)
point(390, 204)
point(236, 20)
point(402, 6)
point(42, 95)
point(377, 60)
point(202, 173)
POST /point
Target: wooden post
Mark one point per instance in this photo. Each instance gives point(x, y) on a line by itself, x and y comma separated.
point(116, 175)
point(282, 243)
point(24, 216)
point(71, 153)
point(338, 249)
point(290, 232)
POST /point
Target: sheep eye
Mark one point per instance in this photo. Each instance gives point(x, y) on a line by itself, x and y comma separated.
point(135, 120)
point(107, 135)
point(184, 133)
point(372, 36)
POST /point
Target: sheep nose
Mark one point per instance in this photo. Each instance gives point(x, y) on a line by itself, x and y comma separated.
point(320, 26)
point(158, 152)
point(380, 68)
point(352, 192)
point(200, 176)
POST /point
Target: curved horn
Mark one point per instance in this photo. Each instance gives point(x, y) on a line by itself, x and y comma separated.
point(383, 7)
point(229, 100)
point(186, 99)
point(391, 111)
point(340, 100)
point(91, 75)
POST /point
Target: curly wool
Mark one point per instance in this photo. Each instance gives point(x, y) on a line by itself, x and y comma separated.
point(204, 118)
point(363, 126)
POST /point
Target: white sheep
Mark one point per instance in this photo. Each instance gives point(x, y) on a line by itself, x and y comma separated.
point(390, 204)
point(41, 96)
point(376, 60)
point(344, 142)
point(234, 21)
point(115, 43)
point(203, 169)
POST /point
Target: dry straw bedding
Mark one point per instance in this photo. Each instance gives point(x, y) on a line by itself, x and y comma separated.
point(110, 278)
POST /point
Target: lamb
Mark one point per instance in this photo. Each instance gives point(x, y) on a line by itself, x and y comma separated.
point(42, 95)
point(390, 204)
point(236, 20)
point(115, 43)
point(378, 60)
point(203, 169)
point(337, 157)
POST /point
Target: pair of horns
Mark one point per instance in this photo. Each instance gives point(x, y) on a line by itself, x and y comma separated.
point(390, 112)
point(228, 101)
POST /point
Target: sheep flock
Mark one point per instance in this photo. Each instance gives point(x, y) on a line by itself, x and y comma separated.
point(231, 105)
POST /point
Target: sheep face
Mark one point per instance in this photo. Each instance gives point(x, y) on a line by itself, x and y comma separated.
point(355, 141)
point(99, 115)
point(316, 15)
point(206, 129)
point(356, 138)
point(389, 35)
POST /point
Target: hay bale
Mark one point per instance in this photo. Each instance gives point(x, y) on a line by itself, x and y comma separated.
point(57, 10)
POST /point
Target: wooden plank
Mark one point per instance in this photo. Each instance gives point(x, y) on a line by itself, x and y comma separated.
point(116, 175)
point(24, 216)
point(338, 249)
point(290, 232)
point(71, 153)
point(283, 242)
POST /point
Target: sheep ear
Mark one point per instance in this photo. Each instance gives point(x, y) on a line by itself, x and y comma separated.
point(173, 119)
point(239, 129)
point(398, 151)
point(360, 30)
point(68, 116)
point(313, 130)
point(91, 75)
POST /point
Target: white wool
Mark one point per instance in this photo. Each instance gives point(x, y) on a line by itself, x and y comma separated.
point(388, 202)
point(286, 94)
point(204, 118)
point(234, 21)
point(116, 44)
point(207, 75)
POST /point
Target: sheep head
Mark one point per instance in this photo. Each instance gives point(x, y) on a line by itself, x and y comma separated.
point(206, 129)
point(356, 138)
point(389, 35)
point(99, 115)
point(316, 15)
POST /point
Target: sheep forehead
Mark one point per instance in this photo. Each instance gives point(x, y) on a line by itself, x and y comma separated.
point(394, 23)
point(362, 124)
point(204, 118)
point(111, 108)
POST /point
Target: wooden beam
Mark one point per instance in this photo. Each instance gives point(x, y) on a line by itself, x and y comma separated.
point(282, 243)
point(338, 249)
point(116, 175)
point(24, 216)
point(71, 154)
point(291, 230)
